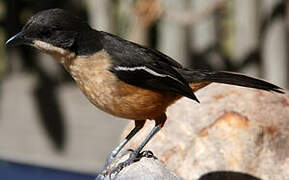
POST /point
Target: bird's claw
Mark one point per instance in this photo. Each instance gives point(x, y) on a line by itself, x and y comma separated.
point(132, 158)
point(115, 170)
point(147, 154)
point(112, 158)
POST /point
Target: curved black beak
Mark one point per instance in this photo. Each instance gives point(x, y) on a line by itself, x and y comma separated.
point(17, 40)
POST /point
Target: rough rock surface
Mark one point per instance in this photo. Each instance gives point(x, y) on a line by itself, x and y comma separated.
point(145, 169)
point(232, 129)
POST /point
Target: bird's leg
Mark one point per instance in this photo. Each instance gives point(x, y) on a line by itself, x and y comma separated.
point(138, 126)
point(136, 155)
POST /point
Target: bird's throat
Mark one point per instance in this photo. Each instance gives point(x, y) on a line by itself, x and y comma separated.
point(59, 54)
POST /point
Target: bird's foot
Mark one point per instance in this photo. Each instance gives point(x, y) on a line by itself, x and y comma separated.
point(134, 157)
point(147, 154)
point(112, 158)
point(115, 170)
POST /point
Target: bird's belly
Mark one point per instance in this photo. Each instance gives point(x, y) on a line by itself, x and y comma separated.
point(123, 100)
point(108, 93)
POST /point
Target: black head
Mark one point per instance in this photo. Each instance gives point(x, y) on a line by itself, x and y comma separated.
point(54, 27)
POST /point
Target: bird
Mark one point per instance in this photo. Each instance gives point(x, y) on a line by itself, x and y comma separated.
point(121, 77)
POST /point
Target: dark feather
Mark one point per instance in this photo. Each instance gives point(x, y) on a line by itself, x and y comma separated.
point(166, 81)
point(128, 54)
point(227, 78)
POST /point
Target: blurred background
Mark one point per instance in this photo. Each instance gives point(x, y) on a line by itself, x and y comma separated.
point(46, 121)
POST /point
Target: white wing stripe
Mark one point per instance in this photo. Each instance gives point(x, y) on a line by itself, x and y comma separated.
point(122, 68)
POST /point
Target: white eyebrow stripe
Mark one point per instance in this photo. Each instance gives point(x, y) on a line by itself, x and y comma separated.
point(122, 68)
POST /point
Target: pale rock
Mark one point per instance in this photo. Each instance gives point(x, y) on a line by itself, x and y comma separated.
point(232, 129)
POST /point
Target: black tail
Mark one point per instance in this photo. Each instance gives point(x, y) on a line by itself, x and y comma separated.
point(228, 78)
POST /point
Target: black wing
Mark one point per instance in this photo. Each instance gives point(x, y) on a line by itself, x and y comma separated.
point(144, 67)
